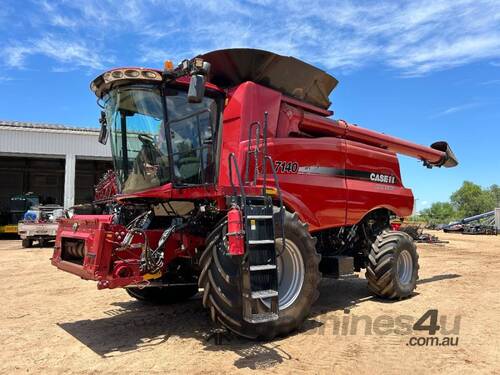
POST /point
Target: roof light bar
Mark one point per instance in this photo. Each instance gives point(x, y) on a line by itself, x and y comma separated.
point(131, 74)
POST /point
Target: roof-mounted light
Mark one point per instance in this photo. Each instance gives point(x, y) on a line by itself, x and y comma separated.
point(104, 81)
point(198, 63)
point(150, 74)
point(132, 73)
point(168, 65)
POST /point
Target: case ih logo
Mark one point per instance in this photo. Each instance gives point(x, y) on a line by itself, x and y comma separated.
point(338, 172)
point(384, 178)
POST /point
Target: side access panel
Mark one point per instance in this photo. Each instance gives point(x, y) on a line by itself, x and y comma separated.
point(373, 180)
point(311, 177)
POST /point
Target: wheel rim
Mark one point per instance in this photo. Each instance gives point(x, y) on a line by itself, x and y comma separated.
point(404, 267)
point(291, 272)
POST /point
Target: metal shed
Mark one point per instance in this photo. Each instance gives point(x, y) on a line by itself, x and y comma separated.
point(61, 163)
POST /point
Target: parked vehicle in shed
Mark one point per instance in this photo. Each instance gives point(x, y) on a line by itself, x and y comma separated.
point(40, 225)
point(18, 205)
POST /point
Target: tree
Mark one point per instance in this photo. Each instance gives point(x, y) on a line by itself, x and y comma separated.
point(439, 213)
point(495, 191)
point(471, 200)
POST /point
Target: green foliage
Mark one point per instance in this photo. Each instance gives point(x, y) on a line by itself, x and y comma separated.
point(471, 199)
point(495, 191)
point(439, 212)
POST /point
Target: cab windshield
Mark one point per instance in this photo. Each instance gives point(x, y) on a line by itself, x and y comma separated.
point(143, 154)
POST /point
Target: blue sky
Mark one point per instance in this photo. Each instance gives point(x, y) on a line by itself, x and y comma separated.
point(421, 70)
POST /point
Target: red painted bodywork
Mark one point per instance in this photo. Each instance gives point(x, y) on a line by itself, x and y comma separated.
point(102, 262)
point(320, 200)
point(236, 240)
point(297, 133)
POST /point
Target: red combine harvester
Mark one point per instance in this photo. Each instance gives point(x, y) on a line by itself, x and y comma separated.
point(232, 178)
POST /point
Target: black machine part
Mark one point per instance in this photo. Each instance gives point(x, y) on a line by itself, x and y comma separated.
point(449, 160)
point(336, 266)
point(292, 77)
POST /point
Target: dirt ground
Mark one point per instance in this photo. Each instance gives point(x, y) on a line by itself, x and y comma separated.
point(54, 322)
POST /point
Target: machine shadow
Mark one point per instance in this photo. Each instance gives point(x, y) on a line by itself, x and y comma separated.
point(133, 326)
point(438, 278)
point(347, 294)
point(340, 295)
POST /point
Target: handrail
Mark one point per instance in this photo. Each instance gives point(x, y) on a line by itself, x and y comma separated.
point(231, 160)
point(269, 159)
point(265, 159)
point(255, 152)
point(264, 153)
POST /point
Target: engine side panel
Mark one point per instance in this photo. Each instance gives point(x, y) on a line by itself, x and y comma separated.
point(311, 177)
point(329, 181)
point(375, 182)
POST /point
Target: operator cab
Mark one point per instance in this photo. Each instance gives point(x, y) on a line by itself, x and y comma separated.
point(161, 130)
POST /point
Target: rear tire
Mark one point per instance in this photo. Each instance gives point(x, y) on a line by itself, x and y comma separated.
point(220, 279)
point(392, 270)
point(163, 295)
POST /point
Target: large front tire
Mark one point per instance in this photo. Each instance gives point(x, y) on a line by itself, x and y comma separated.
point(298, 275)
point(392, 270)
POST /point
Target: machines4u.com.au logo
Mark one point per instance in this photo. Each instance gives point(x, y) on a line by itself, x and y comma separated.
point(429, 329)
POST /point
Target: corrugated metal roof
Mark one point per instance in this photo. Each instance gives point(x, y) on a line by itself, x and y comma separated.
point(41, 126)
point(28, 138)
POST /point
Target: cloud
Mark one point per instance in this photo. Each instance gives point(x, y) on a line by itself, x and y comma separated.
point(411, 38)
point(14, 55)
point(60, 20)
point(4, 79)
point(455, 109)
point(69, 52)
point(63, 51)
point(421, 60)
point(491, 82)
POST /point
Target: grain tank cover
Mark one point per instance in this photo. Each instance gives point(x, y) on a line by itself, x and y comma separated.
point(292, 77)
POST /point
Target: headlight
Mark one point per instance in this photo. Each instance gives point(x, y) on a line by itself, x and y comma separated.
point(132, 73)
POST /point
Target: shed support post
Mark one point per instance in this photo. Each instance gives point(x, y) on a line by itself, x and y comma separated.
point(69, 181)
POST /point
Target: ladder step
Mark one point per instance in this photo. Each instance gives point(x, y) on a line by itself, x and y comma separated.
point(260, 242)
point(259, 217)
point(264, 294)
point(262, 317)
point(349, 277)
point(263, 267)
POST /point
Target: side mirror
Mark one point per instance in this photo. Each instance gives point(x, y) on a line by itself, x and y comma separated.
point(199, 74)
point(196, 89)
point(103, 133)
